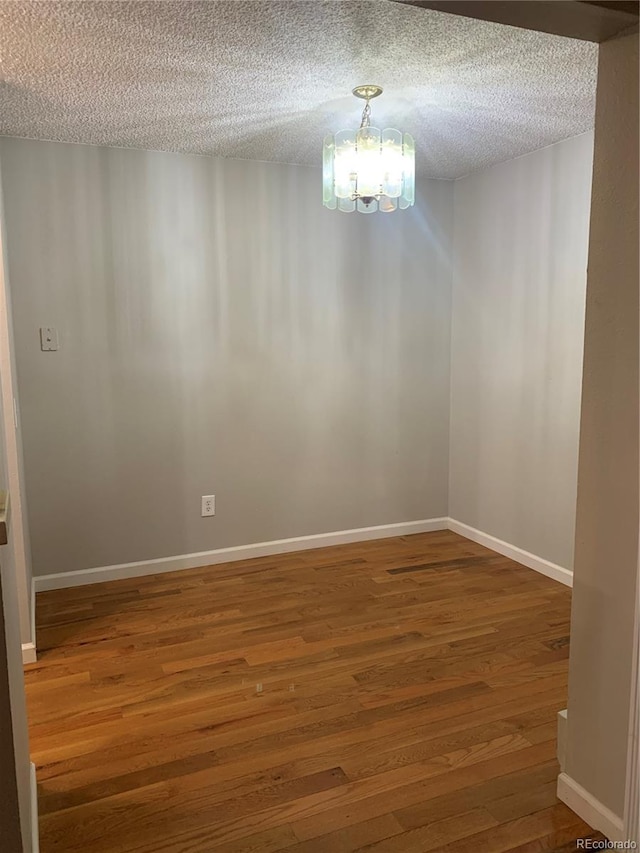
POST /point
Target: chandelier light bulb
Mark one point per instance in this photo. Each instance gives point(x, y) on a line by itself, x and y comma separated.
point(368, 169)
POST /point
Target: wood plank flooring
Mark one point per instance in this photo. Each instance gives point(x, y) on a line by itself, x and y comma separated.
point(395, 696)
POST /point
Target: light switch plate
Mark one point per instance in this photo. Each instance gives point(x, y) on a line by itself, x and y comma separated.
point(48, 339)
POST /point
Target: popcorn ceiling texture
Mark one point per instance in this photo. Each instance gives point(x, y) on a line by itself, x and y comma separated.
point(267, 80)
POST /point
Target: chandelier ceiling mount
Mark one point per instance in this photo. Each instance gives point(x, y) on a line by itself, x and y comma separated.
point(367, 92)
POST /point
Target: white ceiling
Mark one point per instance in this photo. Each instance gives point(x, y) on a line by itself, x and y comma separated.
point(267, 80)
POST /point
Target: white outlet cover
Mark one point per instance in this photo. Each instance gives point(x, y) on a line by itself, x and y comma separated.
point(208, 505)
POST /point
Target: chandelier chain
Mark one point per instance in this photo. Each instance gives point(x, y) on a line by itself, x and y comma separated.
point(366, 115)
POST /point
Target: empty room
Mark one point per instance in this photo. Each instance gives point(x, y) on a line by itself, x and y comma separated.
point(319, 426)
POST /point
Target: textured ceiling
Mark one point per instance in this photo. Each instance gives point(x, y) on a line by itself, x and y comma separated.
point(266, 80)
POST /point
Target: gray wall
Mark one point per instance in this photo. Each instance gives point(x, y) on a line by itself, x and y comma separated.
point(221, 333)
point(520, 249)
point(606, 565)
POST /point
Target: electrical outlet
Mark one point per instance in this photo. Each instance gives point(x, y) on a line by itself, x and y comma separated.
point(208, 505)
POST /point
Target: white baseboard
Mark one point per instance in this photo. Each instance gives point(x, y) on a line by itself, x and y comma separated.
point(29, 653)
point(531, 561)
point(561, 748)
point(35, 835)
point(283, 546)
point(589, 809)
point(33, 613)
point(228, 555)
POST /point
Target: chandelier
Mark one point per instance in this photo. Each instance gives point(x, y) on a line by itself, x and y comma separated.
point(368, 169)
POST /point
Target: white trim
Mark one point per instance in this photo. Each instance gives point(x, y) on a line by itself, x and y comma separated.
point(99, 574)
point(561, 748)
point(33, 612)
point(589, 809)
point(531, 561)
point(10, 411)
point(29, 653)
point(632, 792)
point(29, 650)
point(228, 555)
point(35, 834)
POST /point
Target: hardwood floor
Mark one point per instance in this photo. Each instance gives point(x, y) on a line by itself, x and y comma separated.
point(395, 696)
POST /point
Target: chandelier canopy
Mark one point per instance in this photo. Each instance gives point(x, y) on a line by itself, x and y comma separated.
point(368, 169)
